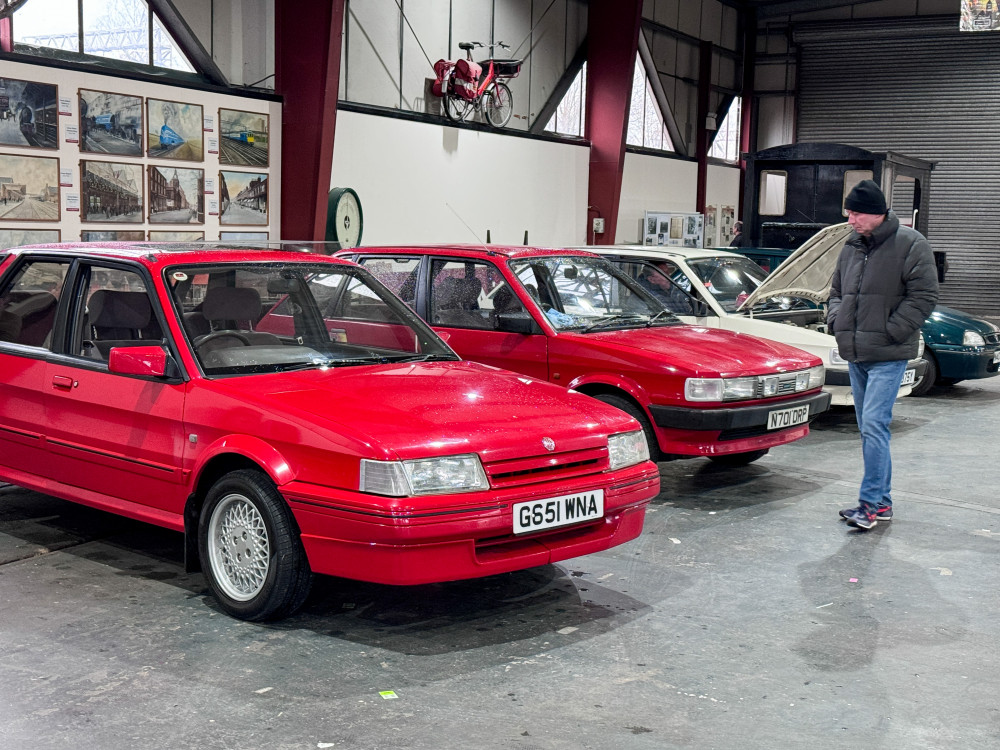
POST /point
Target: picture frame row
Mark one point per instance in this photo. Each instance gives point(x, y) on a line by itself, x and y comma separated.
point(115, 192)
point(127, 125)
point(17, 237)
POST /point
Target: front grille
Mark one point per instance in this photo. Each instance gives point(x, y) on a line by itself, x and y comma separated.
point(770, 386)
point(542, 468)
point(992, 338)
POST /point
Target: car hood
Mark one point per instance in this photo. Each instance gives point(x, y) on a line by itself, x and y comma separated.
point(432, 409)
point(807, 271)
point(705, 352)
point(945, 320)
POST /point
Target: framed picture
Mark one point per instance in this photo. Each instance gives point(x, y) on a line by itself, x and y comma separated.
point(16, 237)
point(243, 236)
point(243, 198)
point(128, 235)
point(111, 192)
point(243, 138)
point(29, 188)
point(29, 114)
point(176, 195)
point(176, 236)
point(174, 130)
point(110, 123)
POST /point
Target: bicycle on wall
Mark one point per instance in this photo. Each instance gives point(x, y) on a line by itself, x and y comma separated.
point(467, 86)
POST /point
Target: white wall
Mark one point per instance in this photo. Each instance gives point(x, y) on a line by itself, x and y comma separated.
point(423, 183)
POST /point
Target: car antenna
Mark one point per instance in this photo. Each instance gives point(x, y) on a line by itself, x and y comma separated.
point(478, 239)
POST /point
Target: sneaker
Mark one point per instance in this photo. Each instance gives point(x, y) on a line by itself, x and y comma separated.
point(862, 519)
point(883, 514)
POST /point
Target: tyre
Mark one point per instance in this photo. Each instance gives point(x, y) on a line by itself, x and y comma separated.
point(250, 550)
point(498, 104)
point(738, 459)
point(640, 416)
point(930, 376)
point(456, 108)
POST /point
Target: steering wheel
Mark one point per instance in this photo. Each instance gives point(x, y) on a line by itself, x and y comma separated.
point(220, 334)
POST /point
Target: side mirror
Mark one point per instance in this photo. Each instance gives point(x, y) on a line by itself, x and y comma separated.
point(147, 361)
point(515, 322)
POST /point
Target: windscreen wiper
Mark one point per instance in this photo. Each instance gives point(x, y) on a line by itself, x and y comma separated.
point(612, 319)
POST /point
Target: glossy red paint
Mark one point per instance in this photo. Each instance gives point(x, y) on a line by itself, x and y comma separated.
point(646, 365)
point(149, 435)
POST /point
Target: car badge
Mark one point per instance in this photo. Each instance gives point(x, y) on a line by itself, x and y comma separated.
point(549, 443)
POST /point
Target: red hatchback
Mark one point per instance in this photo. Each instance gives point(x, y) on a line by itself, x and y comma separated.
point(291, 416)
point(572, 318)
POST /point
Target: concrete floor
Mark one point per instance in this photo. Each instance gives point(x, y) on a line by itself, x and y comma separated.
point(746, 616)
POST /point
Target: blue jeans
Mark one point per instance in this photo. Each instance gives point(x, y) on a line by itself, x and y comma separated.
point(875, 385)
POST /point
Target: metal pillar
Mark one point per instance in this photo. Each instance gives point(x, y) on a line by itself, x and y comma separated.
point(308, 38)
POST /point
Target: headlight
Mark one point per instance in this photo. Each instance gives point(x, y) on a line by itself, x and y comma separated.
point(423, 476)
point(757, 386)
point(920, 346)
point(627, 448)
point(973, 338)
point(835, 358)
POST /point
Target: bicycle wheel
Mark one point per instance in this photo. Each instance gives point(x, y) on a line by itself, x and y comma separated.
point(498, 104)
point(456, 108)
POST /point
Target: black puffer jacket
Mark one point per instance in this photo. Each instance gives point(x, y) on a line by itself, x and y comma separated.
point(882, 291)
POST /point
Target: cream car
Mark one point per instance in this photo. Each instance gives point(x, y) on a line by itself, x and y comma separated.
point(720, 289)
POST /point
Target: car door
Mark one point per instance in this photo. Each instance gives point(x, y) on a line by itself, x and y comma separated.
point(466, 298)
point(119, 436)
point(29, 295)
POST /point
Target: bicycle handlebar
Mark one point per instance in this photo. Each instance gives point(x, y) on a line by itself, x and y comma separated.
point(491, 46)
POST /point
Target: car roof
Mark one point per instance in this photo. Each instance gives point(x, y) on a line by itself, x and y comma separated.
point(662, 251)
point(157, 254)
point(471, 251)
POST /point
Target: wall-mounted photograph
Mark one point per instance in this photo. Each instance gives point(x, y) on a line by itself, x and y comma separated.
point(176, 236)
point(176, 195)
point(174, 130)
point(112, 192)
point(29, 188)
point(17, 237)
point(110, 123)
point(243, 236)
point(243, 198)
point(243, 138)
point(129, 235)
point(29, 114)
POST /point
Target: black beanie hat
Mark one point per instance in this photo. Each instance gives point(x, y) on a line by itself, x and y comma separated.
point(866, 198)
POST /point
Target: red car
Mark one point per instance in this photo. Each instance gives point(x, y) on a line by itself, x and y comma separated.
point(572, 318)
point(342, 437)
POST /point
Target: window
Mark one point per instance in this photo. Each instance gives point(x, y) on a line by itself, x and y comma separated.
point(851, 179)
point(118, 313)
point(645, 121)
point(28, 306)
point(726, 145)
point(773, 189)
point(117, 29)
point(569, 116)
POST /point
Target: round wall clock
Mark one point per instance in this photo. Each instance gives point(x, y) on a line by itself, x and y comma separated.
point(344, 219)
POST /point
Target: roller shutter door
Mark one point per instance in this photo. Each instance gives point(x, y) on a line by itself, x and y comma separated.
point(926, 90)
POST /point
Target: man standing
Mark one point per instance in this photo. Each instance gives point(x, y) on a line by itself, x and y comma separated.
point(883, 289)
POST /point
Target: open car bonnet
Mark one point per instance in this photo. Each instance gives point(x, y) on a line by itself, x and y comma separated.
point(807, 271)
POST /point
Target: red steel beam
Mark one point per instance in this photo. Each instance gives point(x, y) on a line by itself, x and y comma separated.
point(612, 42)
point(308, 39)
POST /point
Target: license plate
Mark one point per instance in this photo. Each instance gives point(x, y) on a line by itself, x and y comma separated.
point(909, 377)
point(781, 418)
point(535, 515)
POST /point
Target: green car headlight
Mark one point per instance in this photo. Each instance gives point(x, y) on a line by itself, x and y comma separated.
point(973, 338)
point(424, 476)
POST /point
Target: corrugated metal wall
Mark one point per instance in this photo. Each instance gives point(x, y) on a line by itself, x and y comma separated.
point(924, 89)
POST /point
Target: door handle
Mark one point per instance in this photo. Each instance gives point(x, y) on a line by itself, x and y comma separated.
point(63, 382)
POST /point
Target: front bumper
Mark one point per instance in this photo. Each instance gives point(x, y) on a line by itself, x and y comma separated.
point(961, 363)
point(407, 541)
point(727, 430)
point(843, 377)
